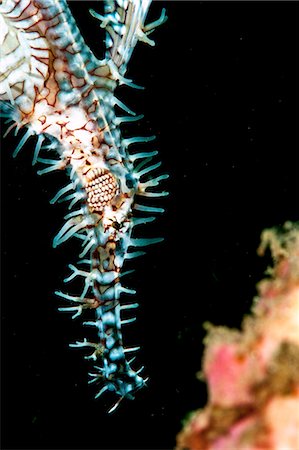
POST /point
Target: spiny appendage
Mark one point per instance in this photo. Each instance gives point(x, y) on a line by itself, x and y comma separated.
point(108, 248)
point(115, 373)
point(97, 191)
point(103, 232)
point(124, 24)
point(111, 370)
point(101, 292)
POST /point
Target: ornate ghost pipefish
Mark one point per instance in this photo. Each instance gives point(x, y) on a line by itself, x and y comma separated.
point(53, 85)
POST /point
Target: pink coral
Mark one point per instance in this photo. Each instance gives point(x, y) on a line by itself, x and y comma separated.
point(253, 374)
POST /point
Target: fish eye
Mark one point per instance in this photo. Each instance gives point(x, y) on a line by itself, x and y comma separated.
point(130, 181)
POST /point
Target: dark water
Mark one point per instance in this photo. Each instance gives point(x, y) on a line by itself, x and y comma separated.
point(221, 98)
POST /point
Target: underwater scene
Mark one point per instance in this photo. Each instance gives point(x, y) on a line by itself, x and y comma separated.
point(221, 98)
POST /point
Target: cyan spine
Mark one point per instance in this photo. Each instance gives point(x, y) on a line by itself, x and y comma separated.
point(70, 105)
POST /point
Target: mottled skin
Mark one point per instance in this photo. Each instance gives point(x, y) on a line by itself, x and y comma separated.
point(61, 92)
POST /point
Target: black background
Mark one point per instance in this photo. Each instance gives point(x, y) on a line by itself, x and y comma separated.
point(221, 98)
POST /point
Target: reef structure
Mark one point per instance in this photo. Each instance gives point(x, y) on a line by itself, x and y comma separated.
point(253, 374)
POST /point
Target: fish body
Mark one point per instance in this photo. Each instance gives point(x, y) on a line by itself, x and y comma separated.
point(52, 85)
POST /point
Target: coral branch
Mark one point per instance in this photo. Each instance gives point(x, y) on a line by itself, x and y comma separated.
point(253, 374)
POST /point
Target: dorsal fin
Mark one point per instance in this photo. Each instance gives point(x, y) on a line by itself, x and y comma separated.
point(123, 21)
